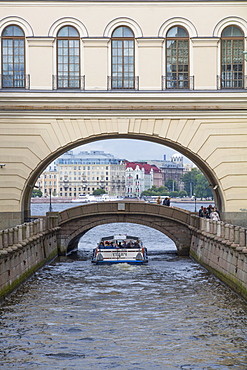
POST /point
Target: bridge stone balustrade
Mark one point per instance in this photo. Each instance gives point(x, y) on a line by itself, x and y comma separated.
point(24, 249)
point(222, 249)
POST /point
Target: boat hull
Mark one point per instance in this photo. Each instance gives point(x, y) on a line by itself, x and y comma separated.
point(129, 262)
point(137, 256)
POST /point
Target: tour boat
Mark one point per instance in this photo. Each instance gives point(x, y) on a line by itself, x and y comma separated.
point(119, 249)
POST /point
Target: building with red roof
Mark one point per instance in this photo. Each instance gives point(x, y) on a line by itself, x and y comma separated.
point(140, 177)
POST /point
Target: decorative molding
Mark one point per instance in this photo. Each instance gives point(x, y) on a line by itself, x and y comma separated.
point(67, 21)
point(178, 21)
point(123, 21)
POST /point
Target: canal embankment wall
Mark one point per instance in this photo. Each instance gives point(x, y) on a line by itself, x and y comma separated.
point(23, 250)
point(222, 249)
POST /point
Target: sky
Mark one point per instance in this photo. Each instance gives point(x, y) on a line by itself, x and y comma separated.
point(131, 149)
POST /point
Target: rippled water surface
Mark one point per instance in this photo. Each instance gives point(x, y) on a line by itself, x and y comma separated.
point(169, 314)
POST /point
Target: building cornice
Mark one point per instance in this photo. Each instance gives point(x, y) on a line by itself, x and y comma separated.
point(119, 100)
point(131, 104)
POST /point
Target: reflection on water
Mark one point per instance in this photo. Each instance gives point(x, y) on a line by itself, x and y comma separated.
point(168, 314)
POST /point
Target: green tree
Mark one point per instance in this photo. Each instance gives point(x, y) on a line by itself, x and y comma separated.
point(202, 189)
point(36, 193)
point(195, 183)
point(182, 194)
point(99, 192)
point(154, 191)
point(189, 180)
point(173, 194)
point(171, 185)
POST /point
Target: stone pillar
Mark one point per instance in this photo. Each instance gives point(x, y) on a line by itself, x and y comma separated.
point(15, 235)
point(52, 219)
point(35, 227)
point(202, 223)
point(10, 237)
point(242, 239)
point(227, 231)
point(218, 228)
point(30, 224)
point(5, 238)
point(20, 234)
point(214, 226)
point(38, 226)
point(236, 234)
point(231, 233)
point(27, 231)
point(222, 226)
point(41, 225)
point(211, 226)
point(1, 239)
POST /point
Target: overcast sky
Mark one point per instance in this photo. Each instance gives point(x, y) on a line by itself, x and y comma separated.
point(130, 149)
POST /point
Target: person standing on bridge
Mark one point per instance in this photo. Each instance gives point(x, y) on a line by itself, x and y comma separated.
point(166, 202)
point(201, 214)
point(158, 200)
point(214, 215)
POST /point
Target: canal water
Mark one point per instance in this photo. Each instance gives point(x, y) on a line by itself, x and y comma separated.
point(168, 314)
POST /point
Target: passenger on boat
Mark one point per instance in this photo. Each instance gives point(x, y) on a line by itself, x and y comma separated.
point(101, 245)
point(136, 244)
point(124, 245)
point(107, 244)
point(112, 245)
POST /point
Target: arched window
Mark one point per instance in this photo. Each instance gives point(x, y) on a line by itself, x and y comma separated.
point(177, 59)
point(232, 58)
point(68, 58)
point(123, 59)
point(13, 57)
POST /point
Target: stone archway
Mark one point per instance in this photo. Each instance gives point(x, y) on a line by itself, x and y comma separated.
point(201, 127)
point(173, 222)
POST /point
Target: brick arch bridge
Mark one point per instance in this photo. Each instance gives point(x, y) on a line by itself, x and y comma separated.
point(173, 222)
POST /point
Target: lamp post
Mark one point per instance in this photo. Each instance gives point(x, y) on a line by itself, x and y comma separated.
point(191, 189)
point(195, 203)
point(50, 209)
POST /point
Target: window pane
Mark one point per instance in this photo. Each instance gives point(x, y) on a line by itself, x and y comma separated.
point(232, 31)
point(68, 31)
point(177, 32)
point(68, 67)
point(231, 59)
point(122, 32)
point(12, 31)
point(13, 63)
point(177, 59)
point(123, 59)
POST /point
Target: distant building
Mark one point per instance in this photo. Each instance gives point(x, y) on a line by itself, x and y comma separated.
point(139, 177)
point(178, 159)
point(48, 181)
point(171, 170)
point(83, 173)
point(188, 167)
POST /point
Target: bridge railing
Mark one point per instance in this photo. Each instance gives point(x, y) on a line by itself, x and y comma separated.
point(224, 231)
point(21, 233)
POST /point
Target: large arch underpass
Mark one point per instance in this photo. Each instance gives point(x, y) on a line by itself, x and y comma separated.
point(173, 222)
point(201, 127)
